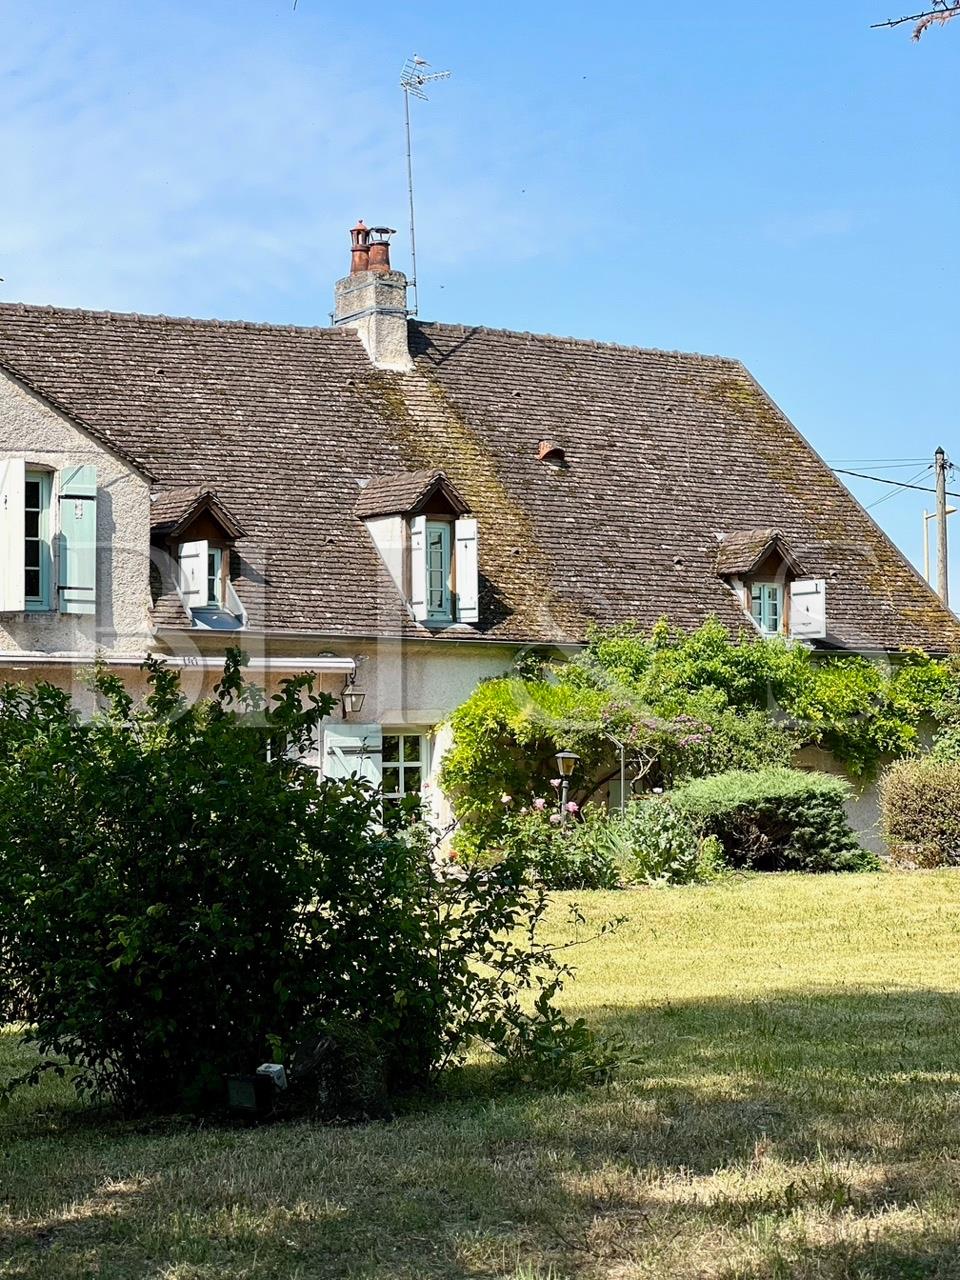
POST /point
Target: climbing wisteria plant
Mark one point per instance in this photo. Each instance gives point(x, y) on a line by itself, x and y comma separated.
point(683, 704)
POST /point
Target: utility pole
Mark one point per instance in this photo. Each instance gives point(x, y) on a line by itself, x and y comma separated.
point(940, 466)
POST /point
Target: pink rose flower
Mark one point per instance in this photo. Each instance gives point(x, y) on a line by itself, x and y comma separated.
point(572, 806)
point(539, 804)
point(556, 782)
point(555, 818)
point(505, 799)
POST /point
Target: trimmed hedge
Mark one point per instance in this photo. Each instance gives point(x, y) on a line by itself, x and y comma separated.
point(776, 819)
point(920, 811)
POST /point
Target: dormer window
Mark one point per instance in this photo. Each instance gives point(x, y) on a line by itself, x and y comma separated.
point(766, 606)
point(774, 590)
point(197, 533)
point(427, 540)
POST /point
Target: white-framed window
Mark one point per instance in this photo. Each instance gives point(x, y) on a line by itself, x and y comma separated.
point(766, 606)
point(215, 577)
point(37, 555)
point(438, 570)
point(404, 762)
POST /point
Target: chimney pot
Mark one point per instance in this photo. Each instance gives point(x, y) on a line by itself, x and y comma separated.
point(380, 249)
point(359, 248)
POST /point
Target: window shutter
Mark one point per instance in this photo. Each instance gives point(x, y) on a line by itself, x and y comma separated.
point(808, 609)
point(193, 573)
point(353, 750)
point(418, 567)
point(468, 597)
point(12, 501)
point(78, 539)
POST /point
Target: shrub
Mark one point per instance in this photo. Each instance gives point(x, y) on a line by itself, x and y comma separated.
point(559, 856)
point(651, 842)
point(776, 820)
point(178, 903)
point(920, 811)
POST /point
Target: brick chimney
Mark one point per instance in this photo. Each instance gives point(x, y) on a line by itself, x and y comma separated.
point(373, 299)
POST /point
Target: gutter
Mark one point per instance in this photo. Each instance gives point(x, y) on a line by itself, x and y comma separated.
point(321, 665)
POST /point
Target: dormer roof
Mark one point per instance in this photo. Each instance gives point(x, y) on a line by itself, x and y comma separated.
point(404, 493)
point(174, 509)
point(745, 550)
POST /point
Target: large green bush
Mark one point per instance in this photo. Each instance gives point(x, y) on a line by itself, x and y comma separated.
point(178, 902)
point(776, 820)
point(920, 811)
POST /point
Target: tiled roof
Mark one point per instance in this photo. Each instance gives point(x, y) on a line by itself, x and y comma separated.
point(172, 509)
point(665, 452)
point(741, 552)
point(404, 492)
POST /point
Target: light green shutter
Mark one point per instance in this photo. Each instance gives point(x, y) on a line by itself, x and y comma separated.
point(12, 478)
point(77, 529)
point(353, 750)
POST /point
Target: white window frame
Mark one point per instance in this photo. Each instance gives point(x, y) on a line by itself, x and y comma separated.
point(766, 602)
point(403, 734)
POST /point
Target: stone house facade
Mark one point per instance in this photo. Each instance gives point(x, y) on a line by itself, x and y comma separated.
point(405, 507)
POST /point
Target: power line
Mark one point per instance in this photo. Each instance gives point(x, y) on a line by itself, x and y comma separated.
point(893, 492)
point(878, 464)
point(901, 484)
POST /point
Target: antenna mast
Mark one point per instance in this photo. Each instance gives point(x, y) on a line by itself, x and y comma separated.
point(412, 79)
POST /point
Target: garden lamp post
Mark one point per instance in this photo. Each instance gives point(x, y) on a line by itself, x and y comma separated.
point(622, 749)
point(566, 763)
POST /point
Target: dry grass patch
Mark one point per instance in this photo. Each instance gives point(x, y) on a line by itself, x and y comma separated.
point(795, 1113)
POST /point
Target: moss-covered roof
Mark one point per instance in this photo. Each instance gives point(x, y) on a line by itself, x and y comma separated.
point(665, 454)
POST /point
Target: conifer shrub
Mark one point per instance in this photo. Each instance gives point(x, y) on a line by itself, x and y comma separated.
point(920, 811)
point(776, 820)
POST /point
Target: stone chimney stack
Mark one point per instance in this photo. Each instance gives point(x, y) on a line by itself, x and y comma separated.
point(373, 299)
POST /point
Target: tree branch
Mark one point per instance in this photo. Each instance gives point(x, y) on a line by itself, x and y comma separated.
point(942, 12)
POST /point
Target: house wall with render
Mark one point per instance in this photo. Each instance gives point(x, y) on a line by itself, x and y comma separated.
point(33, 430)
point(863, 806)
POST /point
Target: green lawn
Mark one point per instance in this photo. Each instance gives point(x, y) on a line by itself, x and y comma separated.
point(795, 1113)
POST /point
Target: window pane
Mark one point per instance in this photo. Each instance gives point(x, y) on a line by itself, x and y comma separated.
point(411, 780)
point(31, 584)
point(411, 748)
point(32, 555)
point(391, 747)
point(391, 780)
point(33, 495)
point(32, 524)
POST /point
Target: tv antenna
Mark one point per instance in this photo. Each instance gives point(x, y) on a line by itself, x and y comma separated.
point(413, 77)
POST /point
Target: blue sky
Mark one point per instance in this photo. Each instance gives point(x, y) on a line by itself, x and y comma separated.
point(775, 182)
